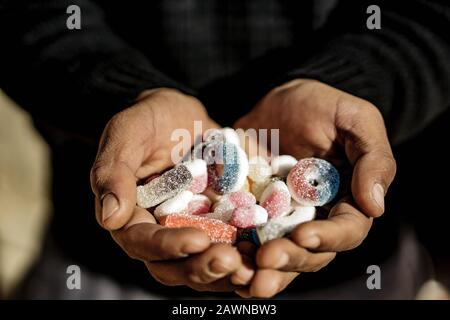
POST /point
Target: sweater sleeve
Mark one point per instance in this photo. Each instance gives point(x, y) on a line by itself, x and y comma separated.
point(403, 68)
point(70, 79)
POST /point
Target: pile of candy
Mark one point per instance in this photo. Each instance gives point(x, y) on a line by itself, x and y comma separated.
point(233, 198)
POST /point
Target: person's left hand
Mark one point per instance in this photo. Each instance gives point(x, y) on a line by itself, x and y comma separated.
point(316, 120)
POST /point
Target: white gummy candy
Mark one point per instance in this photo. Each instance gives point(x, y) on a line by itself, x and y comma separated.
point(278, 227)
point(281, 165)
point(259, 169)
point(177, 204)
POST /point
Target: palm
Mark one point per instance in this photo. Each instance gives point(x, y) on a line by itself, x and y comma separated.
point(317, 120)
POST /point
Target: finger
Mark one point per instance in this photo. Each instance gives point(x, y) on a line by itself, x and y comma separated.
point(345, 229)
point(284, 255)
point(245, 273)
point(217, 262)
point(114, 185)
point(221, 285)
point(268, 282)
point(152, 242)
point(368, 149)
point(243, 292)
point(373, 173)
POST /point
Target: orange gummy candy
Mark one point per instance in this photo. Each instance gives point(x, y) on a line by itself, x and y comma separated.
point(218, 231)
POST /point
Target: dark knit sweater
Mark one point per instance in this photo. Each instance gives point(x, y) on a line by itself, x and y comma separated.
point(229, 54)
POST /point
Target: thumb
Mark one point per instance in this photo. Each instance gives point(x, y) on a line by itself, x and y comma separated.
point(372, 175)
point(368, 149)
point(114, 186)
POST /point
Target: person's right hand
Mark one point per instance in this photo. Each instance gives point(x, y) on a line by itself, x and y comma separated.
point(135, 144)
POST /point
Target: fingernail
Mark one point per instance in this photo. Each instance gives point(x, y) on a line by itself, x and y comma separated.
point(110, 205)
point(378, 195)
point(283, 261)
point(312, 242)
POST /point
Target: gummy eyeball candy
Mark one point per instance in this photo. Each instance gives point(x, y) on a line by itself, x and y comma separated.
point(227, 167)
point(313, 182)
point(163, 187)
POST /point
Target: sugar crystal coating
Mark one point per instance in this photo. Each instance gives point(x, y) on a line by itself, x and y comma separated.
point(313, 182)
point(259, 169)
point(281, 165)
point(248, 217)
point(231, 136)
point(234, 200)
point(254, 201)
point(199, 204)
point(197, 168)
point(177, 204)
point(278, 227)
point(227, 167)
point(276, 199)
point(218, 231)
point(166, 186)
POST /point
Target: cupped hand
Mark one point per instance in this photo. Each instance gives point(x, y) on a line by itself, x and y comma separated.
point(135, 144)
point(316, 120)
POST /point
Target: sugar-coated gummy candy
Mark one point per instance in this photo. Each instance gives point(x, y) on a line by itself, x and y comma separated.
point(166, 186)
point(234, 200)
point(278, 227)
point(218, 231)
point(213, 135)
point(248, 217)
point(226, 134)
point(276, 199)
point(259, 169)
point(197, 168)
point(177, 204)
point(199, 204)
point(281, 165)
point(313, 182)
point(231, 136)
point(227, 167)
